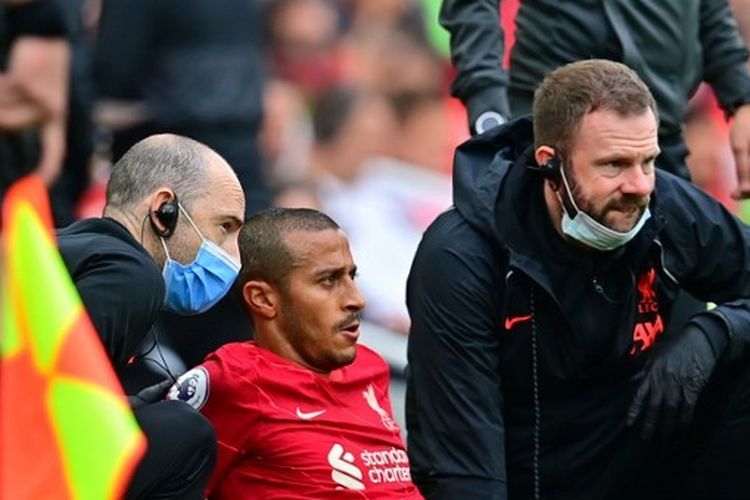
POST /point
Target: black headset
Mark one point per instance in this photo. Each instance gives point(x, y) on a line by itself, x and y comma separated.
point(551, 169)
point(167, 213)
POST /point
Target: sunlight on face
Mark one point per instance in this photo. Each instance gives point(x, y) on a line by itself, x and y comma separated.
point(611, 168)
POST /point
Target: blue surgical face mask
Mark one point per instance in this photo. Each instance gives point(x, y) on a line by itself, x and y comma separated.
point(194, 288)
point(584, 229)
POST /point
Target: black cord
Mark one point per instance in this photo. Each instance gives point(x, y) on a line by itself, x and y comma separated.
point(163, 365)
point(148, 351)
point(163, 360)
point(537, 405)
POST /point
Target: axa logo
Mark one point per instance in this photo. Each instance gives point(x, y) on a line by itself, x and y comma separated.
point(344, 473)
point(645, 333)
point(649, 323)
point(372, 402)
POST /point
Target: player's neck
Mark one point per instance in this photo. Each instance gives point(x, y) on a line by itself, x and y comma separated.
point(277, 343)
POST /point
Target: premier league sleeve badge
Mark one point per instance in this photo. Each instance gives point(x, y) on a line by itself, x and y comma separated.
point(192, 387)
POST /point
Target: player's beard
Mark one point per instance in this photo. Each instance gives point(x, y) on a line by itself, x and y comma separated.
point(317, 353)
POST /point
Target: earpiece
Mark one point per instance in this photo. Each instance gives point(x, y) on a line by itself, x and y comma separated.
point(167, 214)
point(550, 170)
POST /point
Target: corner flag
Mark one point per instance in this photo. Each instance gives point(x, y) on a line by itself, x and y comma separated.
point(66, 430)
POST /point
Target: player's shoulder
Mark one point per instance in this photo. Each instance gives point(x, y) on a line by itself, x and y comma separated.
point(369, 355)
point(235, 360)
point(192, 387)
point(370, 360)
point(236, 353)
point(225, 370)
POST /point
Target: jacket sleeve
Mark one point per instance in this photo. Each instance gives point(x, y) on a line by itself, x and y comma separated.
point(477, 48)
point(122, 301)
point(710, 258)
point(724, 55)
point(454, 404)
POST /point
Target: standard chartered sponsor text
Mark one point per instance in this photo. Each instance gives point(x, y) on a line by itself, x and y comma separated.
point(387, 466)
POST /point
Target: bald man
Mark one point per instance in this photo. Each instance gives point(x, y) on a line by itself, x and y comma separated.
point(167, 241)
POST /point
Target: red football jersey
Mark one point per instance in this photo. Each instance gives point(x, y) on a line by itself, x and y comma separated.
point(288, 432)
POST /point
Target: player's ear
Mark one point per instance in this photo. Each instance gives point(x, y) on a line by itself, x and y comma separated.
point(261, 298)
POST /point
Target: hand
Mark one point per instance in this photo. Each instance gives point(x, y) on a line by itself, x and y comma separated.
point(38, 73)
point(739, 138)
point(673, 380)
point(150, 394)
point(52, 138)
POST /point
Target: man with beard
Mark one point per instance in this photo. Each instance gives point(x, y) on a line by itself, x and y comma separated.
point(539, 366)
point(302, 411)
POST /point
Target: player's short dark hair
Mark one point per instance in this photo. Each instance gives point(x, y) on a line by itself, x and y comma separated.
point(264, 253)
point(568, 93)
point(176, 162)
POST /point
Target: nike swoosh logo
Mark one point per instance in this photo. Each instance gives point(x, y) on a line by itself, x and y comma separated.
point(511, 322)
point(309, 415)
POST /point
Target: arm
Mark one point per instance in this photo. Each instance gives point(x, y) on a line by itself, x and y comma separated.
point(225, 397)
point(709, 253)
point(121, 317)
point(34, 88)
point(741, 11)
point(39, 68)
point(454, 404)
point(18, 110)
point(724, 61)
point(477, 46)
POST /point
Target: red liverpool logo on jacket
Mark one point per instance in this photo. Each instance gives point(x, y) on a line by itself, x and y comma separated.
point(649, 323)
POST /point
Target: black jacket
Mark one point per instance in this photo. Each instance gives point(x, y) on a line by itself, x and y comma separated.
point(671, 44)
point(197, 67)
point(193, 63)
point(119, 283)
point(492, 277)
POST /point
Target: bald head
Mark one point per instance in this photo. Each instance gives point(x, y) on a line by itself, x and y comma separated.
point(165, 160)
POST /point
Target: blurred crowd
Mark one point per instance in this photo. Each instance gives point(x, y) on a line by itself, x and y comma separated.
point(337, 105)
point(340, 105)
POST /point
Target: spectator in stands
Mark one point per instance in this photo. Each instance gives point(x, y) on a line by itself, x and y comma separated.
point(34, 58)
point(188, 67)
point(671, 44)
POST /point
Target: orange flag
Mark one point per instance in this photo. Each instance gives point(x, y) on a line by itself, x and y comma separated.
point(66, 430)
